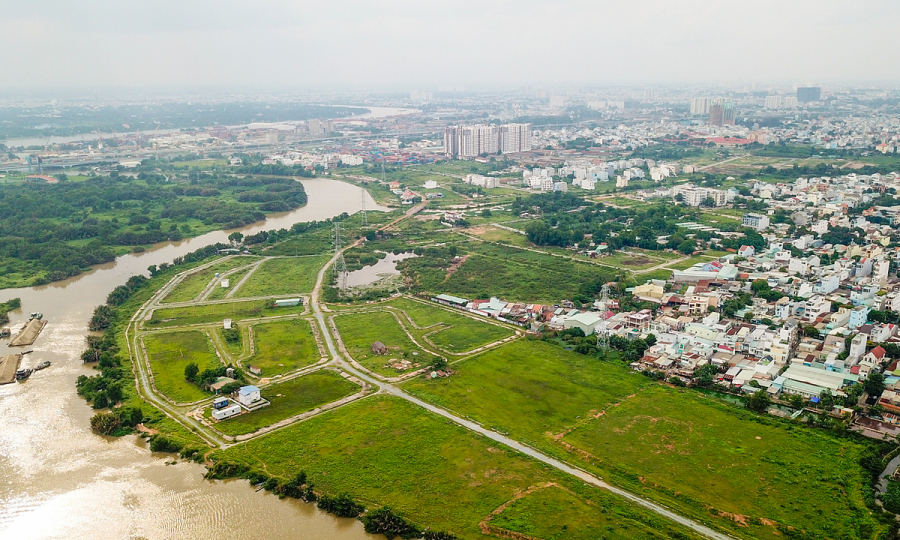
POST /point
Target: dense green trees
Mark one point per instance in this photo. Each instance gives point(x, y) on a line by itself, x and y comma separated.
point(6, 307)
point(53, 231)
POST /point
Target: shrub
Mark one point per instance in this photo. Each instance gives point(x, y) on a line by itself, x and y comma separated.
point(341, 506)
point(160, 443)
point(105, 422)
point(389, 523)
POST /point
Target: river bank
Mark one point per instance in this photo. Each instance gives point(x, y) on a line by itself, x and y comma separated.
point(60, 480)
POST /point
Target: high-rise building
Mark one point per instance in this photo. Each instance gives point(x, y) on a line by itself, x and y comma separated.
point(471, 141)
point(515, 138)
point(805, 94)
point(721, 113)
point(700, 105)
point(790, 101)
point(773, 102)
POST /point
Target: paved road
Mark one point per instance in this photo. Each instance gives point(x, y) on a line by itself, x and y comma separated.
point(502, 439)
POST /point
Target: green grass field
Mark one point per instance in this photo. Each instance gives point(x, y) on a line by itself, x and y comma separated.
point(680, 448)
point(528, 388)
point(360, 330)
point(493, 234)
point(554, 513)
point(214, 313)
point(684, 265)
point(220, 292)
point(460, 333)
point(283, 276)
point(193, 284)
point(384, 451)
point(283, 346)
point(170, 353)
point(291, 398)
point(713, 455)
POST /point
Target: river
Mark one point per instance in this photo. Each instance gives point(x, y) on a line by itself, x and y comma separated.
point(60, 480)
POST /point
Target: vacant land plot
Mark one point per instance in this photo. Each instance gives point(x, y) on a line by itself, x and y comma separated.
point(685, 450)
point(193, 284)
point(283, 276)
point(360, 330)
point(170, 353)
point(460, 333)
point(218, 292)
point(554, 513)
point(493, 234)
point(166, 317)
point(291, 398)
point(384, 451)
point(706, 455)
point(684, 265)
point(283, 346)
point(533, 380)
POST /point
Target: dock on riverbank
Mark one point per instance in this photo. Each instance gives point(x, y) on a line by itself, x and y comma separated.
point(29, 333)
point(9, 364)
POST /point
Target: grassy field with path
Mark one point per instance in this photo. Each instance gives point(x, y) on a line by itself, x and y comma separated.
point(193, 284)
point(360, 330)
point(705, 459)
point(214, 313)
point(385, 451)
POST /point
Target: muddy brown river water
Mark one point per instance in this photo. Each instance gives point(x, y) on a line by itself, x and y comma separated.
point(60, 480)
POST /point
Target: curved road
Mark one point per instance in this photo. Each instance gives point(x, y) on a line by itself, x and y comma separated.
point(502, 439)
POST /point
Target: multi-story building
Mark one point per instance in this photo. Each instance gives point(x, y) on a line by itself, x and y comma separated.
point(756, 221)
point(700, 105)
point(471, 141)
point(805, 94)
point(773, 102)
point(721, 113)
point(515, 138)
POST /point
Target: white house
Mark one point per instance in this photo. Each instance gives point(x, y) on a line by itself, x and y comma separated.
point(227, 412)
point(248, 395)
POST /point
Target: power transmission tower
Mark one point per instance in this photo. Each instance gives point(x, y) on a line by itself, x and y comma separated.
point(601, 329)
point(340, 266)
point(362, 193)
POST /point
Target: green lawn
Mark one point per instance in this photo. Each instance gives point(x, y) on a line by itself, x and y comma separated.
point(283, 276)
point(493, 234)
point(385, 451)
point(360, 330)
point(680, 448)
point(283, 346)
point(170, 353)
point(213, 313)
point(291, 398)
point(684, 265)
point(193, 284)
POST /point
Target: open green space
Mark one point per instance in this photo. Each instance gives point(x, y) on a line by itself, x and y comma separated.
point(511, 274)
point(283, 276)
point(685, 450)
point(218, 292)
point(283, 346)
point(385, 451)
point(528, 388)
point(493, 234)
point(684, 265)
point(457, 333)
point(554, 513)
point(170, 353)
point(210, 313)
point(291, 398)
point(360, 330)
point(700, 454)
point(193, 284)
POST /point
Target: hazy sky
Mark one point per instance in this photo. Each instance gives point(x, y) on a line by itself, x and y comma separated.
point(281, 44)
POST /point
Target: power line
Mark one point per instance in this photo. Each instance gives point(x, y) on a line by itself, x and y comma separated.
point(340, 266)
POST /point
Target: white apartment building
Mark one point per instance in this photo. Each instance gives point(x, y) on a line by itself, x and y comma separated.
point(700, 105)
point(471, 141)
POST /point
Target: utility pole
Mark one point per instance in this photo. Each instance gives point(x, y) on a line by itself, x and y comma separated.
point(362, 193)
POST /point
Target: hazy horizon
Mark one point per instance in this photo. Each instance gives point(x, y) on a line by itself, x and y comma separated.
point(277, 46)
